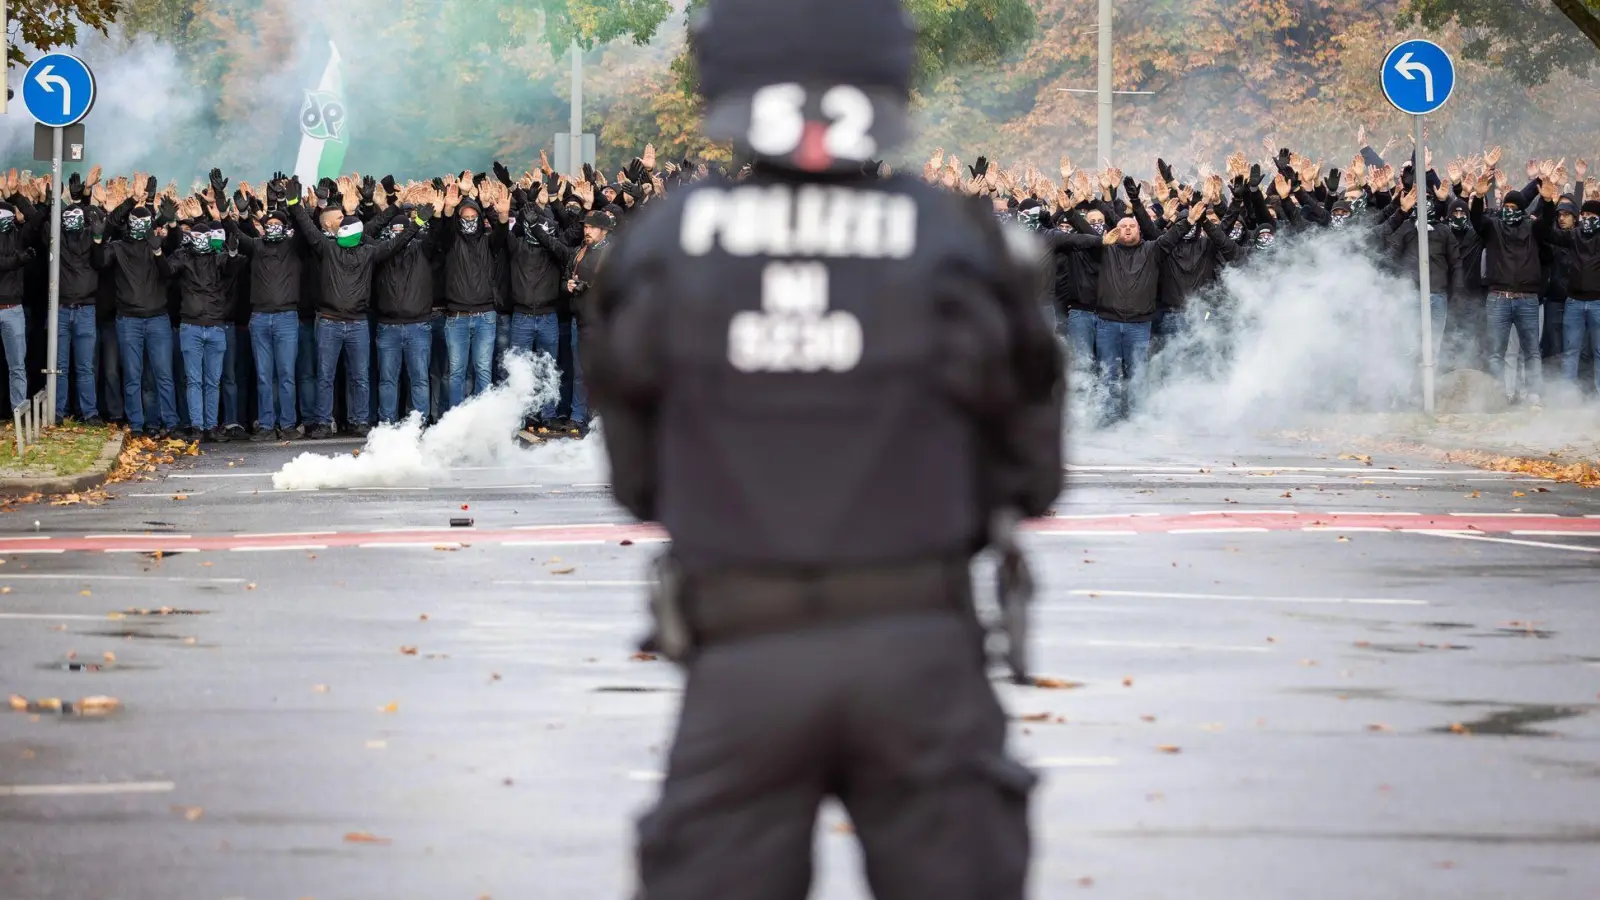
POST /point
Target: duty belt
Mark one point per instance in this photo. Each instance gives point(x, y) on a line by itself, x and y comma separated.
point(728, 606)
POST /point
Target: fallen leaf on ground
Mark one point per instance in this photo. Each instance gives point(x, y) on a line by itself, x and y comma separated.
point(180, 496)
point(494, 676)
point(409, 651)
point(1035, 717)
point(320, 688)
point(422, 618)
point(108, 656)
point(567, 571)
point(364, 837)
point(1085, 881)
point(1518, 494)
point(391, 708)
point(251, 586)
point(1343, 539)
point(1169, 748)
point(445, 547)
point(192, 813)
point(1474, 495)
point(1056, 684)
point(19, 702)
point(97, 706)
point(1458, 728)
point(1379, 726)
point(1127, 682)
point(642, 656)
point(1147, 718)
point(85, 593)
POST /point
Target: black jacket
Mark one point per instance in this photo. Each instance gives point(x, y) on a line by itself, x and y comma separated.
point(80, 280)
point(140, 277)
point(1583, 281)
point(205, 283)
point(536, 272)
point(1192, 265)
point(275, 273)
point(403, 293)
point(14, 257)
point(469, 271)
point(344, 274)
point(1444, 252)
point(1513, 252)
point(1130, 277)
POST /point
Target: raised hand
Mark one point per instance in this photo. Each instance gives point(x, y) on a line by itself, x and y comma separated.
point(94, 177)
point(1197, 212)
point(648, 157)
point(1442, 192)
point(1582, 168)
point(1482, 188)
point(1408, 200)
point(1493, 157)
point(1066, 169)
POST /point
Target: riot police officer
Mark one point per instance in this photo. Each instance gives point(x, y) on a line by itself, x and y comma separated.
point(826, 387)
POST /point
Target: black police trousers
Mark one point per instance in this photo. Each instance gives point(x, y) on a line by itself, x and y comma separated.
point(894, 716)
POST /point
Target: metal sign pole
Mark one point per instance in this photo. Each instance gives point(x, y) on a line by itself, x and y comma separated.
point(1104, 64)
point(51, 351)
point(576, 163)
point(1419, 167)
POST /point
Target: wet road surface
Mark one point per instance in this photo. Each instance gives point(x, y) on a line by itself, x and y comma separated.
point(1289, 674)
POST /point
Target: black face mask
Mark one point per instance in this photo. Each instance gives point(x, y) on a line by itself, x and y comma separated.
point(8, 224)
point(1459, 224)
point(1512, 216)
point(1340, 221)
point(469, 226)
point(1589, 227)
point(1265, 239)
point(1098, 228)
point(1236, 232)
point(138, 228)
point(72, 221)
point(275, 233)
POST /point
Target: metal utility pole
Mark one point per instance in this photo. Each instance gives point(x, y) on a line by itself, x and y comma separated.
point(576, 130)
point(1105, 82)
point(51, 350)
point(1420, 180)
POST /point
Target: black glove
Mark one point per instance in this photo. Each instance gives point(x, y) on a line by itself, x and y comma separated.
point(1284, 156)
point(425, 212)
point(75, 187)
point(97, 222)
point(150, 188)
point(219, 185)
point(1132, 187)
point(438, 184)
point(590, 175)
point(1165, 170)
point(168, 209)
point(388, 187)
point(1256, 175)
point(369, 186)
point(241, 202)
point(232, 245)
point(479, 179)
point(296, 191)
point(502, 173)
point(519, 198)
point(29, 254)
point(1332, 182)
point(324, 192)
point(979, 168)
point(276, 189)
point(636, 171)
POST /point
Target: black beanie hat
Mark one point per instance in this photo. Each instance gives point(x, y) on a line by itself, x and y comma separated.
point(1515, 198)
point(1591, 207)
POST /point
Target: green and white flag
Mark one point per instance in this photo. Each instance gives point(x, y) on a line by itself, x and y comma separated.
point(323, 136)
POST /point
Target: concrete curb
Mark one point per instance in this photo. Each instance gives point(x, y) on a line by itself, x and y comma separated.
point(89, 479)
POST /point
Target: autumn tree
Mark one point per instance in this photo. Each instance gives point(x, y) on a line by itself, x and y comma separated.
point(1531, 39)
point(48, 24)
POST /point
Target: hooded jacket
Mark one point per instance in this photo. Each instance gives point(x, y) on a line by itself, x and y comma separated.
point(404, 288)
point(275, 271)
point(14, 245)
point(1469, 246)
point(344, 274)
point(204, 283)
point(1444, 251)
point(80, 280)
point(1583, 281)
point(1513, 252)
point(135, 265)
point(535, 271)
point(469, 273)
point(1192, 265)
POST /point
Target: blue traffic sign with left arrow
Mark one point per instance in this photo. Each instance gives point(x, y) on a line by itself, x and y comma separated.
point(58, 90)
point(1418, 77)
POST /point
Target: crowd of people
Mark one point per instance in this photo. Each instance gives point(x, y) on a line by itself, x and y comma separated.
point(221, 316)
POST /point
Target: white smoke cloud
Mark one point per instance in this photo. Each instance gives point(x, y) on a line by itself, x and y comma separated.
point(479, 432)
point(1313, 325)
point(141, 92)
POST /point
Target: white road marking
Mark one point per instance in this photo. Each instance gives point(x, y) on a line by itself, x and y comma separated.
point(1164, 645)
point(1478, 537)
point(32, 537)
point(1078, 534)
point(403, 545)
point(1073, 762)
point(402, 529)
point(1219, 470)
point(171, 579)
point(388, 488)
point(1502, 515)
point(275, 534)
point(1348, 530)
point(1170, 475)
point(1346, 512)
point(14, 552)
point(1573, 534)
point(1249, 512)
point(588, 543)
point(54, 617)
point(79, 790)
point(1218, 531)
point(168, 494)
point(152, 549)
point(1169, 595)
point(132, 537)
point(301, 547)
point(551, 582)
point(567, 525)
point(222, 474)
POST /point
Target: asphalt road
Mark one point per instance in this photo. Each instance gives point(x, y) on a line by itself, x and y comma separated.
point(1299, 675)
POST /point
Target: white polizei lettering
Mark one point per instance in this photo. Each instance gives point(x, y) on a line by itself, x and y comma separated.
point(794, 331)
point(702, 212)
point(832, 222)
point(900, 227)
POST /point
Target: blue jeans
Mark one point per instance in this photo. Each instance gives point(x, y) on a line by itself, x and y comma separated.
point(204, 347)
point(229, 388)
point(1124, 351)
point(1581, 316)
point(139, 339)
point(352, 340)
point(470, 336)
point(1522, 311)
point(305, 368)
point(537, 334)
point(275, 338)
point(414, 344)
point(1080, 334)
point(75, 344)
point(14, 333)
